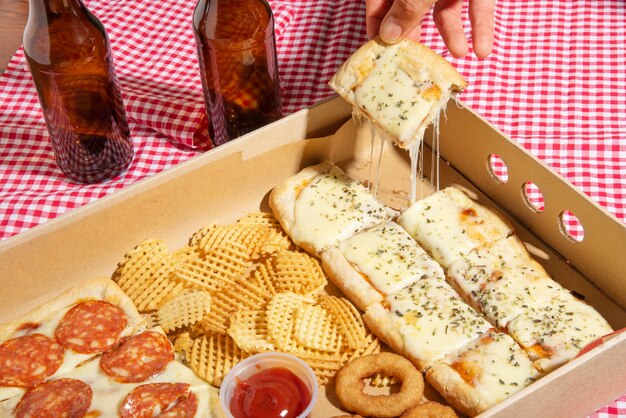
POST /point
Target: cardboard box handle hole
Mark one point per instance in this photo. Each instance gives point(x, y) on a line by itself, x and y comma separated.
point(571, 227)
point(533, 197)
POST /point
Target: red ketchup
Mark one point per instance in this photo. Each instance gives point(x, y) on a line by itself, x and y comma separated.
point(271, 393)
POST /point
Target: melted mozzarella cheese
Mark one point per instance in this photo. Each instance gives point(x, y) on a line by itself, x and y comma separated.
point(401, 96)
point(495, 366)
point(561, 327)
point(501, 280)
point(391, 97)
point(333, 207)
point(433, 320)
point(109, 395)
point(71, 359)
point(389, 257)
point(448, 224)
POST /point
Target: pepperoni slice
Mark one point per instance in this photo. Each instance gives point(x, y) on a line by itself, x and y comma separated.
point(56, 398)
point(27, 361)
point(172, 400)
point(138, 358)
point(91, 327)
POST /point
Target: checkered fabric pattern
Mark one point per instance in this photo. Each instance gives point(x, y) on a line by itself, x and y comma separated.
point(554, 83)
point(614, 409)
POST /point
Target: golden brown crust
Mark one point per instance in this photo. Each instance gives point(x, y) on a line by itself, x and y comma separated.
point(378, 320)
point(283, 198)
point(455, 390)
point(348, 280)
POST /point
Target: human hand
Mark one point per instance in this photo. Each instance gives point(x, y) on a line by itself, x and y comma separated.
point(395, 20)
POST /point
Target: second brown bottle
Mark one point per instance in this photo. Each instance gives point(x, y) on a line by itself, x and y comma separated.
point(238, 66)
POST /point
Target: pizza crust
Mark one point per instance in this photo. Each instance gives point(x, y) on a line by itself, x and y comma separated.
point(283, 198)
point(100, 288)
point(348, 280)
point(455, 390)
point(378, 320)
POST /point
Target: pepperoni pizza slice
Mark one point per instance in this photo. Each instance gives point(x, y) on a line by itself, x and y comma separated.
point(84, 322)
point(138, 378)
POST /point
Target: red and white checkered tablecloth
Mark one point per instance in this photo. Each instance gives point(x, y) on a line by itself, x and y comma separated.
point(555, 83)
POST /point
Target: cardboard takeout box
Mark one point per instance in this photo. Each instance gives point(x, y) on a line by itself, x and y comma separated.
point(235, 179)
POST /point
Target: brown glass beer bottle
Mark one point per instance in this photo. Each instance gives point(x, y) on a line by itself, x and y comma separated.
point(67, 50)
point(238, 66)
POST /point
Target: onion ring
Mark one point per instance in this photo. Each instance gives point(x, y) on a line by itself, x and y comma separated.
point(349, 385)
point(430, 410)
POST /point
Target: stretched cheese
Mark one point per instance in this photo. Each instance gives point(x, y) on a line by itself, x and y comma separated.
point(448, 224)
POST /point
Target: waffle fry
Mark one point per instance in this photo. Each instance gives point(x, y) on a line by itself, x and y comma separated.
point(370, 346)
point(348, 319)
point(324, 366)
point(264, 277)
point(260, 218)
point(241, 289)
point(248, 328)
point(211, 356)
point(314, 328)
point(146, 275)
point(243, 294)
point(217, 268)
point(182, 310)
point(296, 272)
point(280, 319)
point(276, 240)
point(250, 236)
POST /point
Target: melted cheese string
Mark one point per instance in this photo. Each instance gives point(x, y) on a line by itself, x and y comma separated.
point(371, 162)
point(380, 159)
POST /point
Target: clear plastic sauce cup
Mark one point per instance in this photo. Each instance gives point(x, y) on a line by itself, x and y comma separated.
point(252, 365)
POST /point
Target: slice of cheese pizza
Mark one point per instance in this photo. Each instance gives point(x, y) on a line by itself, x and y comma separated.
point(425, 321)
point(515, 293)
point(501, 280)
point(448, 224)
point(401, 87)
point(554, 331)
point(483, 374)
point(321, 206)
point(378, 262)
